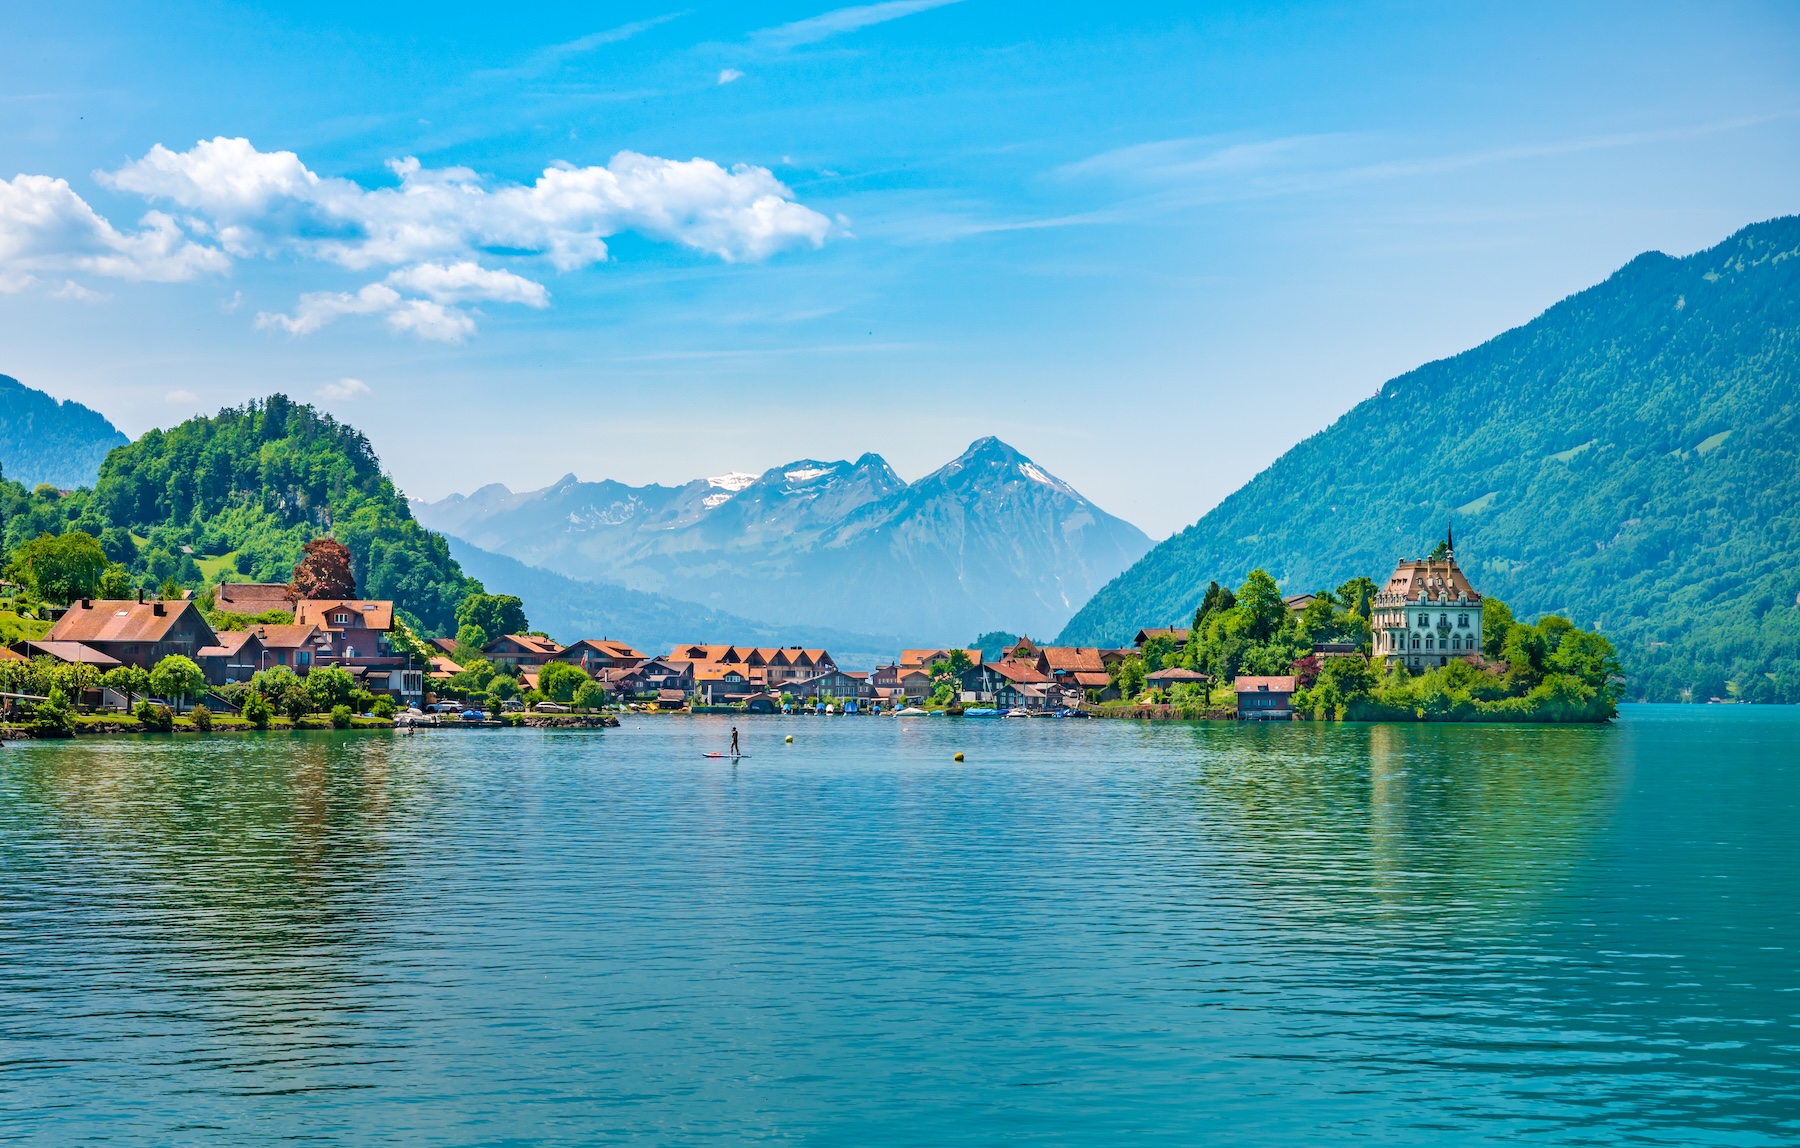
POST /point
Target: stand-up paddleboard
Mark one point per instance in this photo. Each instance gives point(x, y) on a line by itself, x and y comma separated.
point(732, 756)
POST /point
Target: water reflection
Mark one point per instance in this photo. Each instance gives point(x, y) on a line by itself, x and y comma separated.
point(1470, 826)
point(231, 889)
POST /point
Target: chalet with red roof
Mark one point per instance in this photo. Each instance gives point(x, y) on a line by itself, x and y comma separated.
point(139, 633)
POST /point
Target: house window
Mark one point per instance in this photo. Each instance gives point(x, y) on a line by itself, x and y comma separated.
point(1462, 620)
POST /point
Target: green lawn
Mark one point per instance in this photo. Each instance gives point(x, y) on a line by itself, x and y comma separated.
point(216, 568)
point(16, 629)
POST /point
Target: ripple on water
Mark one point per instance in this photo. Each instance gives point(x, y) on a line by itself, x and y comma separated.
point(1089, 931)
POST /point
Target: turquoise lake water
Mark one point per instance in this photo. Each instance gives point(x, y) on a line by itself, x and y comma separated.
point(1089, 933)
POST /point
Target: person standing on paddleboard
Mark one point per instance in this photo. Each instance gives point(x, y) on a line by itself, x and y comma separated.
point(734, 743)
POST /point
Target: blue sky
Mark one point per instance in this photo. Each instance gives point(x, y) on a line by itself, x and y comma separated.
point(1151, 247)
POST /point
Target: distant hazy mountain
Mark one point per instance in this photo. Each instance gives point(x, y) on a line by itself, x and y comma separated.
point(989, 541)
point(569, 610)
point(1630, 458)
point(43, 440)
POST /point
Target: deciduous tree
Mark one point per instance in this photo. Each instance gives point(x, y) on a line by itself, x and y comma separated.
point(324, 572)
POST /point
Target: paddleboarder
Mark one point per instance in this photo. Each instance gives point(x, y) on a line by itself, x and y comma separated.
point(734, 742)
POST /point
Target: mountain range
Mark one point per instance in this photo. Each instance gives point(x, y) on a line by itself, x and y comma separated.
point(988, 541)
point(1630, 459)
point(43, 440)
point(568, 609)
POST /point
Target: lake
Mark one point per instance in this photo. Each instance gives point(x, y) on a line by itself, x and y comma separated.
point(1087, 933)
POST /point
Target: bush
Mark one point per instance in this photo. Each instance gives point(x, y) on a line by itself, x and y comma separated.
point(340, 717)
point(176, 676)
point(591, 696)
point(560, 681)
point(201, 717)
point(330, 687)
point(155, 719)
point(383, 707)
point(258, 711)
point(52, 717)
point(284, 690)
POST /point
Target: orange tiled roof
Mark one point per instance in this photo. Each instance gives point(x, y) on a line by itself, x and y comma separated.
point(1071, 659)
point(122, 620)
point(1417, 579)
point(252, 597)
point(530, 643)
point(609, 648)
point(285, 637)
point(1020, 672)
point(230, 642)
point(376, 614)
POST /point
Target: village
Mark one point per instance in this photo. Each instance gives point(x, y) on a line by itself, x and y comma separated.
point(1427, 615)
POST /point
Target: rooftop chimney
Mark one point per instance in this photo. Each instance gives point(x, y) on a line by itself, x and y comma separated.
point(140, 595)
point(87, 603)
point(157, 609)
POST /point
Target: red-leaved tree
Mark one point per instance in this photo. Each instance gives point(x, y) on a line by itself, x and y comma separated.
point(1306, 670)
point(324, 572)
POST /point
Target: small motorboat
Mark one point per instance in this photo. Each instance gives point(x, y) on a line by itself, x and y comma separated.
point(1016, 713)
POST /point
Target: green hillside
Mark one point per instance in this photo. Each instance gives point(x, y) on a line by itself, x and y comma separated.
point(43, 440)
point(238, 495)
point(1629, 459)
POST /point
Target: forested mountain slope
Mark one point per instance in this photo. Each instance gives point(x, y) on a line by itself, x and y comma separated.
point(1630, 458)
point(43, 440)
point(253, 484)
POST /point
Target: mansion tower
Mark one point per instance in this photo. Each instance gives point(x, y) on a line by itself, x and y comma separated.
point(1427, 614)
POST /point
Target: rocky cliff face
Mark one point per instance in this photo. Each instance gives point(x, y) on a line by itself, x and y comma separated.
point(988, 541)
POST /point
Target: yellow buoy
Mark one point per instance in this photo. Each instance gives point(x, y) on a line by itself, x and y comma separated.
point(790, 739)
point(959, 757)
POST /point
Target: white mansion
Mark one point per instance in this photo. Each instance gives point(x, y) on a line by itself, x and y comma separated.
point(1427, 614)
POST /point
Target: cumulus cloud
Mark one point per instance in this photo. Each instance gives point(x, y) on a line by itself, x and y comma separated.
point(223, 200)
point(467, 282)
point(345, 388)
point(726, 75)
point(426, 318)
point(45, 226)
point(264, 202)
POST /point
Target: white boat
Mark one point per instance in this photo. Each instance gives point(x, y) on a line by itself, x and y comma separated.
point(1016, 713)
point(910, 711)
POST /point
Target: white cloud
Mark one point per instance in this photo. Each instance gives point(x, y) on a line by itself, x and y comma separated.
point(345, 388)
point(422, 317)
point(840, 20)
point(265, 202)
point(465, 282)
point(232, 201)
point(181, 397)
point(726, 75)
point(45, 226)
point(75, 292)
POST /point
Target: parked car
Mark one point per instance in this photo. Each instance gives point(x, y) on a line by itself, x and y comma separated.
point(511, 705)
point(550, 708)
